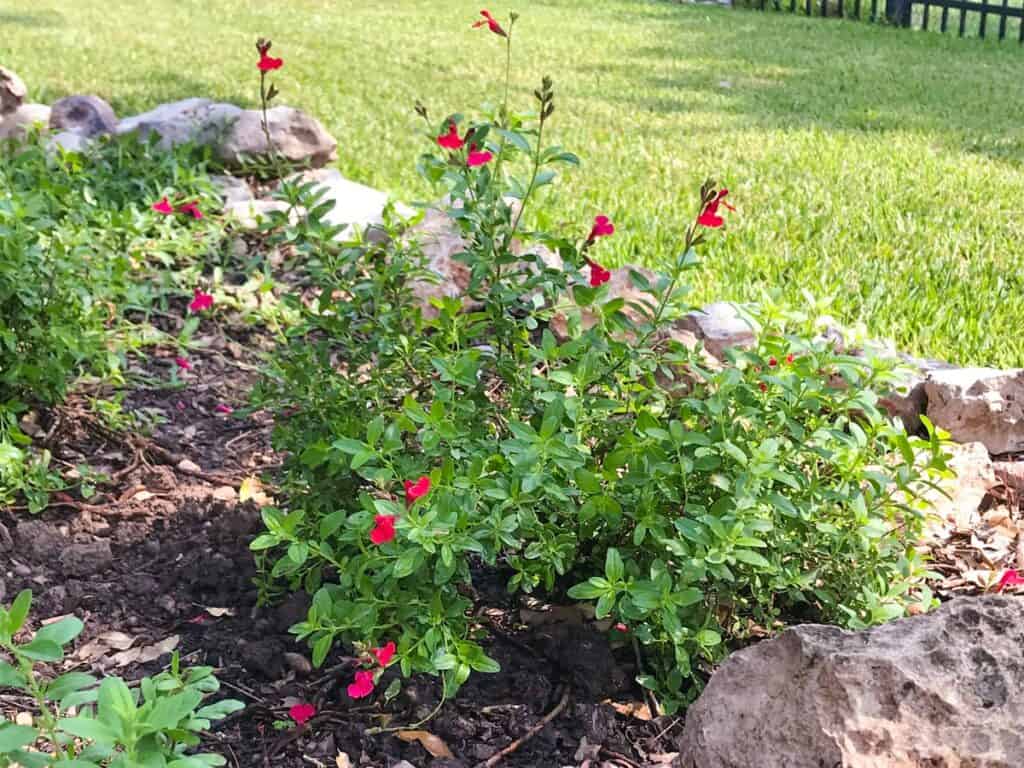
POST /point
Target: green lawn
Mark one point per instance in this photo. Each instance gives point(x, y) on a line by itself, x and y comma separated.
point(884, 167)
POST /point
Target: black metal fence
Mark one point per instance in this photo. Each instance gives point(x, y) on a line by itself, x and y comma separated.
point(967, 18)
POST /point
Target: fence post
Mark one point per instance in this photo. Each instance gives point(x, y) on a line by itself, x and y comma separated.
point(898, 12)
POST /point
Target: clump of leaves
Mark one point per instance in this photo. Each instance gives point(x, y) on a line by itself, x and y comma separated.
point(691, 504)
point(92, 723)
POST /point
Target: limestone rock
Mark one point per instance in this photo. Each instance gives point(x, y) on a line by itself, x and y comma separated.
point(69, 141)
point(295, 135)
point(720, 326)
point(87, 116)
point(356, 206)
point(17, 124)
point(12, 91)
point(981, 404)
point(198, 120)
point(250, 214)
point(909, 401)
point(441, 242)
point(233, 190)
point(957, 507)
point(944, 689)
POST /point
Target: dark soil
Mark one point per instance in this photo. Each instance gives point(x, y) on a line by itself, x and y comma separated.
point(161, 552)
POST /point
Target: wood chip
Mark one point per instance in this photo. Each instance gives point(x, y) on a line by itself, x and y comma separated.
point(430, 742)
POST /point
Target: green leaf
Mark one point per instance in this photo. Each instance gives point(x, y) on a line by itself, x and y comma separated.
point(10, 677)
point(407, 563)
point(708, 638)
point(14, 736)
point(171, 710)
point(115, 703)
point(604, 605)
point(752, 558)
point(88, 728)
point(220, 709)
point(613, 567)
point(590, 589)
point(61, 632)
point(67, 684)
point(687, 597)
point(19, 611)
point(41, 650)
point(516, 139)
point(264, 541)
point(321, 648)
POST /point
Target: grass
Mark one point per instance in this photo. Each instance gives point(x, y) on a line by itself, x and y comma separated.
point(881, 167)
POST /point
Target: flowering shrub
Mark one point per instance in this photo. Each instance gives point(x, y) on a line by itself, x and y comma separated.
point(689, 504)
point(89, 723)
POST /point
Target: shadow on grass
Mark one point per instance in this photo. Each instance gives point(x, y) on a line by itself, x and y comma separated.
point(31, 20)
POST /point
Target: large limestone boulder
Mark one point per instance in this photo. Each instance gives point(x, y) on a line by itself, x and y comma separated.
point(88, 116)
point(197, 120)
point(943, 690)
point(17, 124)
point(12, 91)
point(980, 404)
point(354, 206)
point(295, 135)
point(720, 326)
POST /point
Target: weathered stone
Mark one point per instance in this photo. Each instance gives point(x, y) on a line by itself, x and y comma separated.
point(942, 690)
point(1009, 473)
point(356, 206)
point(720, 326)
point(441, 241)
point(250, 214)
point(12, 91)
point(17, 124)
point(197, 120)
point(87, 116)
point(69, 141)
point(981, 404)
point(232, 189)
point(957, 503)
point(294, 134)
point(909, 400)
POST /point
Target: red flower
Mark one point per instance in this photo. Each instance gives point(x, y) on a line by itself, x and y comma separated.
point(451, 140)
point(772, 362)
point(762, 386)
point(222, 408)
point(267, 63)
point(385, 653)
point(183, 363)
point(602, 228)
point(1009, 579)
point(383, 529)
point(475, 158)
point(163, 207)
point(621, 627)
point(491, 23)
point(417, 490)
point(301, 713)
point(789, 359)
point(192, 209)
point(200, 301)
point(598, 274)
point(709, 216)
point(362, 686)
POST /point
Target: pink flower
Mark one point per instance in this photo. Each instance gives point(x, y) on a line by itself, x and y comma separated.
point(192, 209)
point(163, 207)
point(451, 140)
point(183, 363)
point(180, 405)
point(385, 653)
point(362, 686)
point(200, 301)
point(621, 627)
point(602, 228)
point(383, 529)
point(475, 158)
point(491, 23)
point(417, 490)
point(301, 713)
point(222, 408)
point(1009, 579)
point(598, 274)
point(267, 63)
point(709, 216)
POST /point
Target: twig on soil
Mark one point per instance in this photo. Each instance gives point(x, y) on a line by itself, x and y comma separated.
point(619, 758)
point(652, 702)
point(244, 691)
point(499, 756)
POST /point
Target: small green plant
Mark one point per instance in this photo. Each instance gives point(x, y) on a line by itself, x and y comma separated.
point(88, 723)
point(607, 459)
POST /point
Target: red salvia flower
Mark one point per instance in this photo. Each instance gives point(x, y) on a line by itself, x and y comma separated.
point(709, 216)
point(762, 386)
point(491, 22)
point(301, 713)
point(267, 63)
point(620, 627)
point(451, 140)
point(362, 686)
point(598, 274)
point(222, 408)
point(789, 359)
point(476, 158)
point(602, 228)
point(383, 529)
point(417, 490)
point(200, 301)
point(183, 363)
point(772, 362)
point(385, 653)
point(192, 209)
point(163, 207)
point(1009, 579)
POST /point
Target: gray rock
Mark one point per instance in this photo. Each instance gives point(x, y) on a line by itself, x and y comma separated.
point(943, 689)
point(233, 191)
point(86, 558)
point(355, 205)
point(982, 404)
point(87, 116)
point(441, 242)
point(69, 141)
point(202, 121)
point(12, 91)
point(295, 135)
point(16, 124)
point(909, 400)
point(720, 326)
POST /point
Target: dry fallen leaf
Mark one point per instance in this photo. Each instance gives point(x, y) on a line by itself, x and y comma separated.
point(636, 709)
point(251, 488)
point(55, 619)
point(430, 742)
point(342, 760)
point(188, 466)
point(218, 612)
point(225, 493)
point(146, 654)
